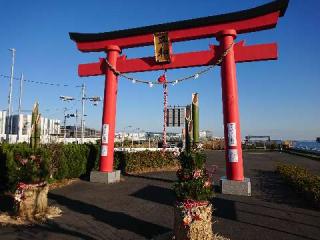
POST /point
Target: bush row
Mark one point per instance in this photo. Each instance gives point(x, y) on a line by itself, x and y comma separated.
point(60, 161)
point(144, 161)
point(56, 162)
point(302, 181)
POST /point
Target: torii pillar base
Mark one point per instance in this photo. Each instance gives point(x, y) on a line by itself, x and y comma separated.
point(242, 188)
point(105, 177)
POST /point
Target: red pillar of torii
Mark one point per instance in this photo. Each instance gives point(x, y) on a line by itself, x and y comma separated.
point(223, 27)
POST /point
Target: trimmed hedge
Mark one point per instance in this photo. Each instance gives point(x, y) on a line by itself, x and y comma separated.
point(19, 163)
point(74, 160)
point(144, 161)
point(302, 181)
point(58, 161)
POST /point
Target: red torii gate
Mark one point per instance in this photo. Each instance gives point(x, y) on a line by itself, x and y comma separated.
point(223, 27)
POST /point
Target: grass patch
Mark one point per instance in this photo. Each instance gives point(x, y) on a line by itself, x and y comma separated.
point(302, 181)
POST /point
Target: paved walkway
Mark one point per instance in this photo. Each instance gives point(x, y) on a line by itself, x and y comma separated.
point(140, 207)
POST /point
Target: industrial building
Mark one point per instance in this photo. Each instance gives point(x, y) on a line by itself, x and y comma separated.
point(17, 128)
point(75, 132)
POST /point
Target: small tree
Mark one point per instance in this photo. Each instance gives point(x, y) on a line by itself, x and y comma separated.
point(193, 181)
point(193, 211)
point(35, 127)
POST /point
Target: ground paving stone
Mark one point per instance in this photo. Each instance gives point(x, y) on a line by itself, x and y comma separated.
point(140, 207)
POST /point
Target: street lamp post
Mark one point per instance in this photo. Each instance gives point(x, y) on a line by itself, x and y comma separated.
point(123, 135)
point(65, 121)
point(136, 129)
point(132, 140)
point(94, 99)
point(76, 126)
point(9, 112)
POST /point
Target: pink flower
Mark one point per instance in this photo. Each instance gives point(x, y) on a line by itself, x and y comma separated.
point(207, 184)
point(24, 161)
point(22, 185)
point(187, 220)
point(197, 173)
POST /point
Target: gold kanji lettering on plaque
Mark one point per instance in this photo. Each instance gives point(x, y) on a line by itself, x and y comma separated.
point(161, 47)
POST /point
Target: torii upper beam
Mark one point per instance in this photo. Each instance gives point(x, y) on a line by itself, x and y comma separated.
point(251, 20)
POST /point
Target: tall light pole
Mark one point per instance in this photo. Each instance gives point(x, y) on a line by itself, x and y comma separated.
point(94, 99)
point(124, 132)
point(9, 112)
point(76, 127)
point(75, 116)
point(65, 98)
point(19, 108)
point(65, 123)
point(136, 129)
point(20, 94)
point(83, 88)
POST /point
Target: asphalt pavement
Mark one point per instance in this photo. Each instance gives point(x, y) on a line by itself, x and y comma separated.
point(140, 206)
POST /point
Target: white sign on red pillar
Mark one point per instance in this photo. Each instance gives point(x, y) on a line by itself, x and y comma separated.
point(104, 140)
point(104, 150)
point(233, 155)
point(232, 134)
point(105, 133)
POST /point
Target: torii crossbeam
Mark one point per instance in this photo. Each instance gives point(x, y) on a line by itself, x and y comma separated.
point(223, 27)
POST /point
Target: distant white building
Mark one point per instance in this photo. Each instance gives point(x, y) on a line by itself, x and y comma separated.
point(134, 136)
point(19, 128)
point(3, 115)
point(205, 134)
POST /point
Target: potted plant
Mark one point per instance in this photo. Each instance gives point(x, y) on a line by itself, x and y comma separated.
point(193, 210)
point(31, 188)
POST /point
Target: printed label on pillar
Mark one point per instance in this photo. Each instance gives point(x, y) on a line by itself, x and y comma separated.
point(232, 134)
point(105, 133)
point(104, 150)
point(233, 155)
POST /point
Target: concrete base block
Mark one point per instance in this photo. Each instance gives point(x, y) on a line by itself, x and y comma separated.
point(235, 187)
point(105, 177)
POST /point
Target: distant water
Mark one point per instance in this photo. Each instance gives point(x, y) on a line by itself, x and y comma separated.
point(311, 146)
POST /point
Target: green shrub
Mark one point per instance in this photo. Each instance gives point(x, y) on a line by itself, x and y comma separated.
point(144, 161)
point(302, 181)
point(193, 181)
point(19, 163)
point(33, 169)
point(12, 176)
point(93, 157)
point(56, 161)
point(60, 161)
point(76, 158)
point(72, 160)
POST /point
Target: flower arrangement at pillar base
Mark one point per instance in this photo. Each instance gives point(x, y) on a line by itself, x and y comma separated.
point(193, 220)
point(31, 192)
point(193, 210)
point(31, 200)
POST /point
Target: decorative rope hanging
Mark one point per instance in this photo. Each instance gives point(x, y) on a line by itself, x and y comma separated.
point(173, 82)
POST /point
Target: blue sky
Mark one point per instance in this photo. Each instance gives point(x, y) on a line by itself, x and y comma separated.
point(278, 98)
